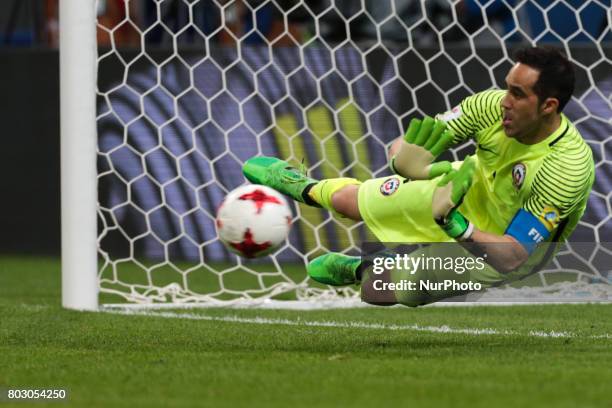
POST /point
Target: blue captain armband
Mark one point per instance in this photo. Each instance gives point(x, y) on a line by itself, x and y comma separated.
point(527, 229)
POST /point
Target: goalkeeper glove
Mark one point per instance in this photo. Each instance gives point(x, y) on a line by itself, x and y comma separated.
point(424, 141)
point(448, 196)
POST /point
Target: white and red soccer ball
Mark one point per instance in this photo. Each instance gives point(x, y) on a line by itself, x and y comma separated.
point(253, 220)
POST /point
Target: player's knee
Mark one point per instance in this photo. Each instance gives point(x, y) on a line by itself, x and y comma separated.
point(345, 201)
point(412, 303)
point(377, 298)
point(412, 298)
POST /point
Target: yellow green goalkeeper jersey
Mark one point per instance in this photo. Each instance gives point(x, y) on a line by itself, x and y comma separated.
point(550, 180)
point(534, 193)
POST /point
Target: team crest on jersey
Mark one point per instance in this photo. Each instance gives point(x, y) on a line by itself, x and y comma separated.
point(390, 186)
point(518, 174)
point(549, 217)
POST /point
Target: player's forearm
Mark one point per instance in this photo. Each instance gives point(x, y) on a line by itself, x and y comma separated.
point(504, 253)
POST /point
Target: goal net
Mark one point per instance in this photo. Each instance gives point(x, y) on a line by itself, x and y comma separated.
point(189, 90)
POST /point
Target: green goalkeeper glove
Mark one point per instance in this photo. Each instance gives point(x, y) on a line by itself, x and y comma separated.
point(448, 196)
point(424, 141)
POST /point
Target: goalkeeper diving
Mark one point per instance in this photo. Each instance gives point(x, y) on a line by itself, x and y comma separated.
point(528, 182)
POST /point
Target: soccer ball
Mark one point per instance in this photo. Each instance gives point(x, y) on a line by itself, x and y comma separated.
point(253, 220)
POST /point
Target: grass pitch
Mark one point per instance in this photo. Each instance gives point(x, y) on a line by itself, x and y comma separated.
point(556, 355)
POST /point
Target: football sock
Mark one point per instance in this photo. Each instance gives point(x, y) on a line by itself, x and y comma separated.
point(306, 196)
point(322, 192)
point(359, 271)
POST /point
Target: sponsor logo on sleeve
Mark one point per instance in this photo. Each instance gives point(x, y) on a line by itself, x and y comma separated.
point(390, 186)
point(518, 174)
point(549, 217)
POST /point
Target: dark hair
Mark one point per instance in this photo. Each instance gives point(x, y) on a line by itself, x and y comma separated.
point(557, 76)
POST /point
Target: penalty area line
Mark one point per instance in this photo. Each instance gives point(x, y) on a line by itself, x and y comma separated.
point(351, 325)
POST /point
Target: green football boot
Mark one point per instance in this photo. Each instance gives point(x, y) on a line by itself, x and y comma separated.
point(279, 175)
point(334, 269)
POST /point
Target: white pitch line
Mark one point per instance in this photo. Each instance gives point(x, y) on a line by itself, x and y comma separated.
point(351, 325)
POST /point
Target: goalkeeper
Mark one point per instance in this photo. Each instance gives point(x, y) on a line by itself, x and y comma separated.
point(528, 182)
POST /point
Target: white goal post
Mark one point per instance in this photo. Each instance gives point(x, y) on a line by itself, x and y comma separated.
point(78, 154)
point(154, 131)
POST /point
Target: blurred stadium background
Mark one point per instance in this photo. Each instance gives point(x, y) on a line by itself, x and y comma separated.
point(193, 88)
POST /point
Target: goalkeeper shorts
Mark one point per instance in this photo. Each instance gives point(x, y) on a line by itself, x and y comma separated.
point(398, 210)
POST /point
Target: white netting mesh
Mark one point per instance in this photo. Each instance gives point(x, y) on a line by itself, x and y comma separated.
point(188, 90)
